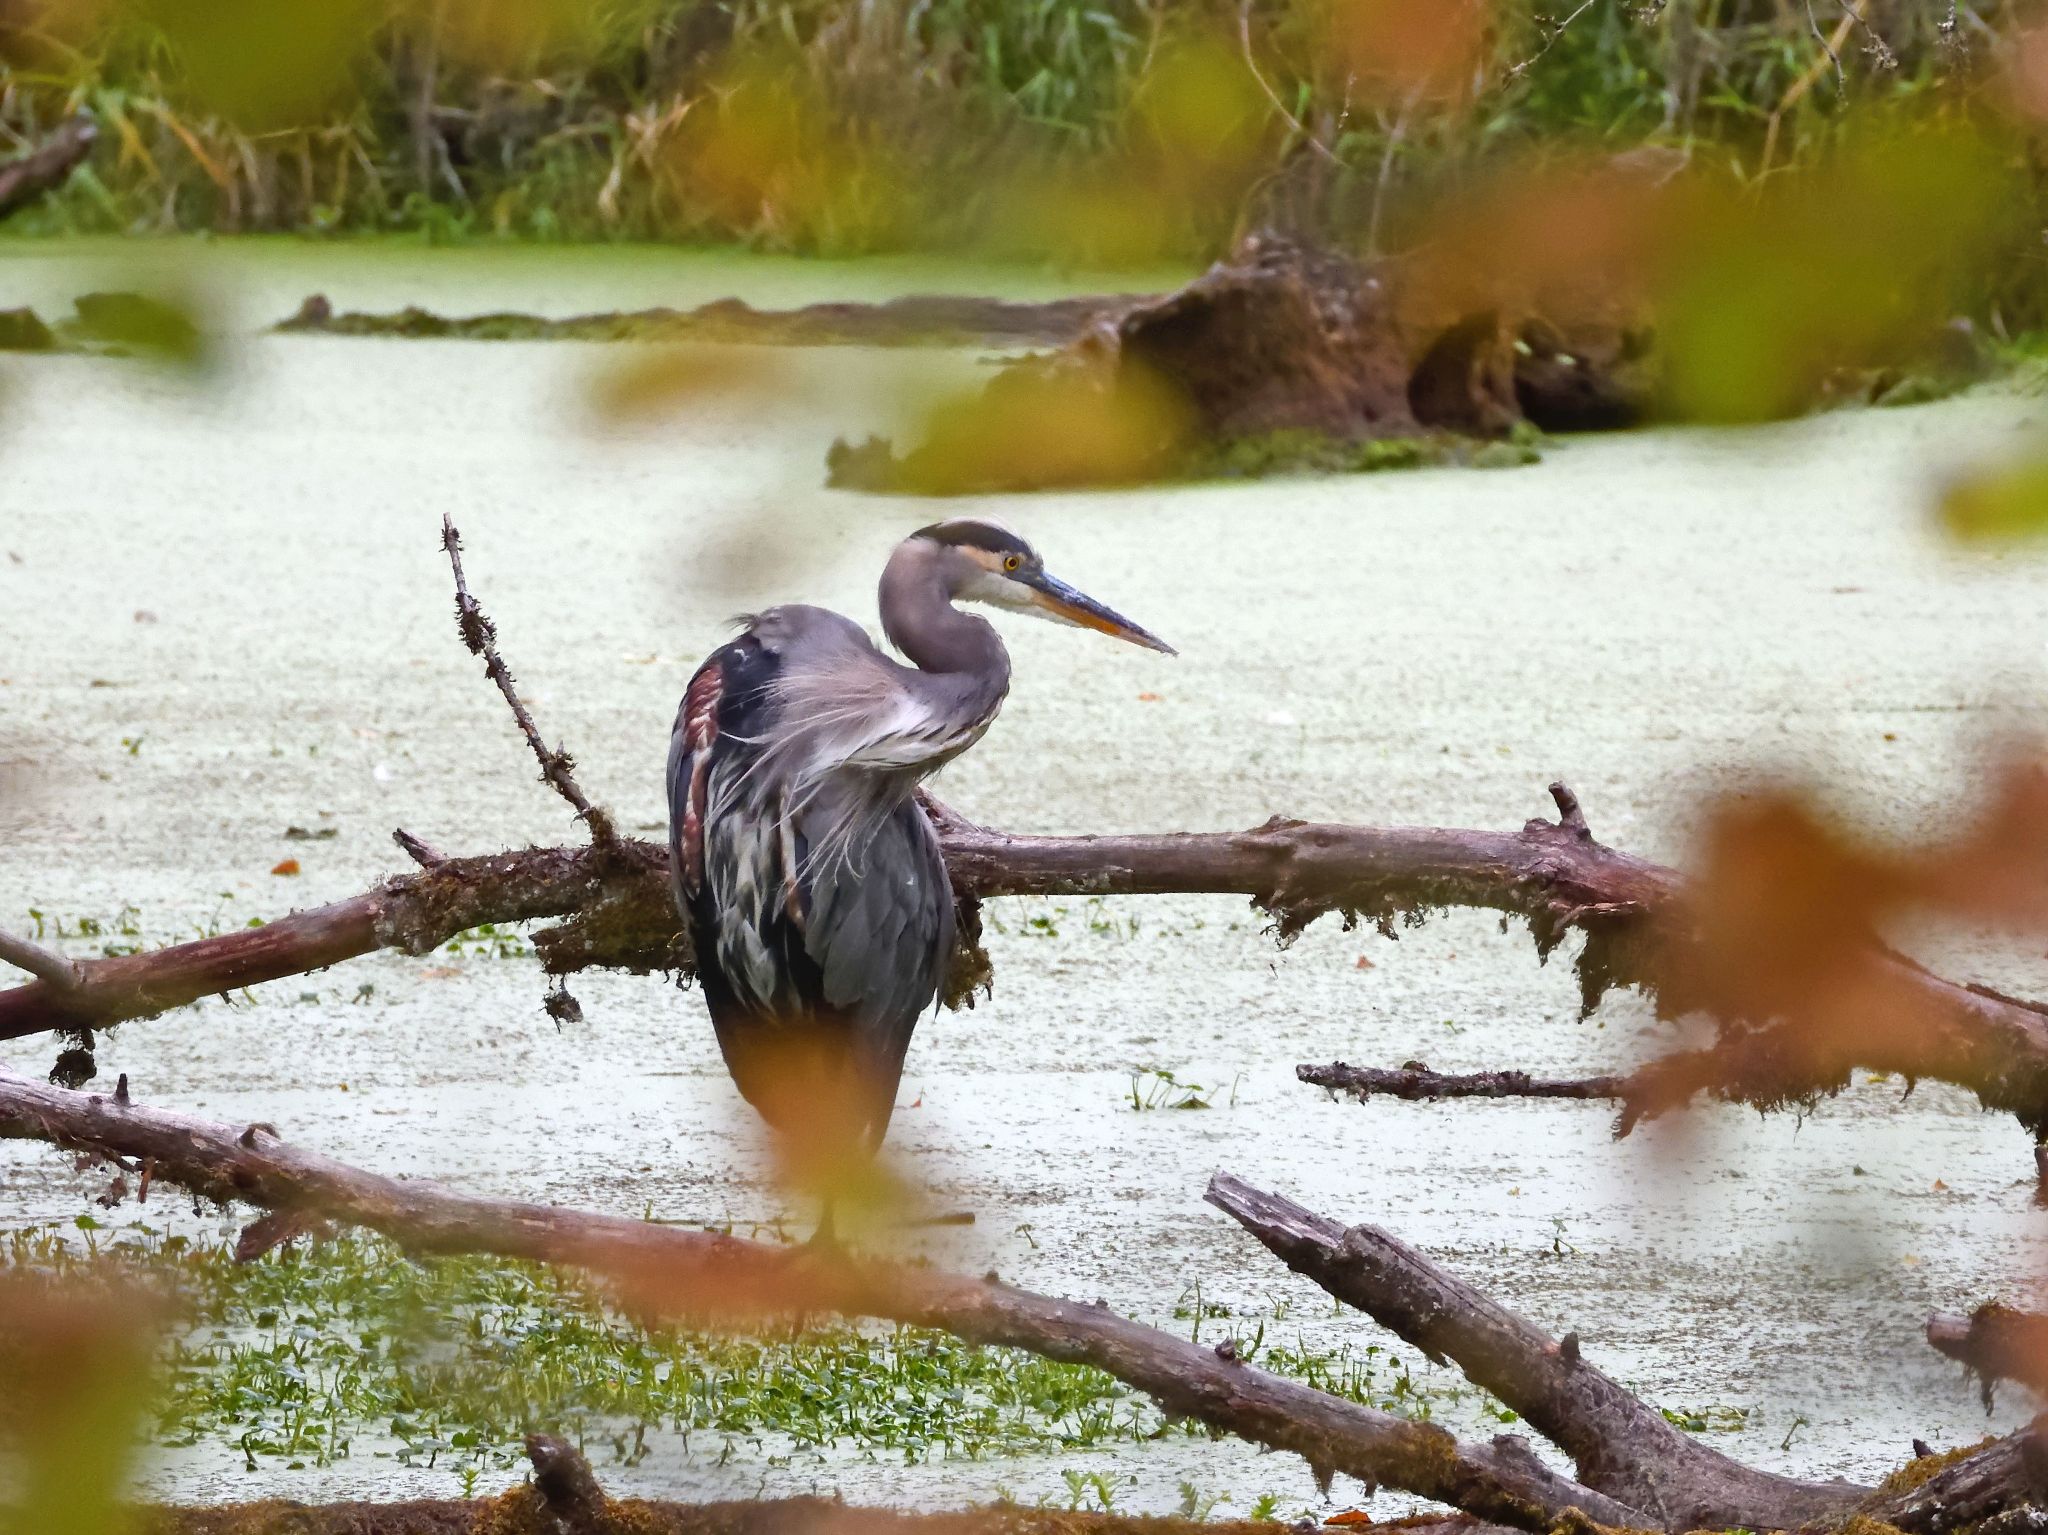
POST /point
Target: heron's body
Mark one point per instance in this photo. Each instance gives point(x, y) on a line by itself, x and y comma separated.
point(813, 886)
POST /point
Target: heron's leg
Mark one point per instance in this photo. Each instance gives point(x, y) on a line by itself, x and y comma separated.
point(824, 1239)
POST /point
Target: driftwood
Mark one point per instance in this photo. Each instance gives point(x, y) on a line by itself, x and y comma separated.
point(1638, 1471)
point(1414, 1082)
point(698, 1271)
point(49, 165)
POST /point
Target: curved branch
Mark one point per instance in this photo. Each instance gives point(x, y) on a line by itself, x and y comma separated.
point(681, 1270)
point(1621, 1445)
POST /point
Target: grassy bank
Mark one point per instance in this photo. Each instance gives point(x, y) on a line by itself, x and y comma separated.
point(1100, 130)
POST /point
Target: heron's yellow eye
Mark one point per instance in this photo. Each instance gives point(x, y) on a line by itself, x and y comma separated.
point(1012, 561)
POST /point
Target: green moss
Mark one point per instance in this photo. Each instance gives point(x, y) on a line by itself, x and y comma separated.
point(1911, 1475)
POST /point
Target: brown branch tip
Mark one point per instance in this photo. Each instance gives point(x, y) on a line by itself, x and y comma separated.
point(480, 636)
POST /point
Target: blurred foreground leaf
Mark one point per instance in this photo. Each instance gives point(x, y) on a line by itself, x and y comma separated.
point(2008, 502)
point(1763, 293)
point(76, 1373)
point(162, 329)
point(261, 64)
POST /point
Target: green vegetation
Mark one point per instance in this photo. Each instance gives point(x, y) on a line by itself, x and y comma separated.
point(1117, 129)
point(348, 1347)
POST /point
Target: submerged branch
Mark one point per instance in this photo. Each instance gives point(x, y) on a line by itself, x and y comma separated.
point(1416, 1083)
point(673, 1270)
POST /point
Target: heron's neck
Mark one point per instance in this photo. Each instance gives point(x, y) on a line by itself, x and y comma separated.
point(919, 617)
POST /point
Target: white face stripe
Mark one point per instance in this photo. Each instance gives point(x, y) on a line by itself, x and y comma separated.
point(999, 591)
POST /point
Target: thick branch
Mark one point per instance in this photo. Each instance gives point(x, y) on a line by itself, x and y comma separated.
point(48, 165)
point(557, 767)
point(690, 1270)
point(1996, 1343)
point(1554, 875)
point(1621, 1445)
point(416, 913)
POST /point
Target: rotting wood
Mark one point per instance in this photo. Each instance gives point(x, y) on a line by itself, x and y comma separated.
point(677, 1270)
point(1620, 1444)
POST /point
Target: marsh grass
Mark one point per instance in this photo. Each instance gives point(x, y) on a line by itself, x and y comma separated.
point(349, 1348)
point(1033, 126)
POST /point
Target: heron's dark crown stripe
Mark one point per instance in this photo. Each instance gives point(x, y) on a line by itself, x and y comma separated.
point(966, 531)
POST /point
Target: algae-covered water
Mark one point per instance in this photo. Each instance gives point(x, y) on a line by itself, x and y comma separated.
point(223, 614)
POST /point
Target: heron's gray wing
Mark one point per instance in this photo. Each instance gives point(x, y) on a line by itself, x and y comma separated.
point(879, 924)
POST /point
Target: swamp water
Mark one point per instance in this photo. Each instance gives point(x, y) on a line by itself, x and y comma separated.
point(223, 614)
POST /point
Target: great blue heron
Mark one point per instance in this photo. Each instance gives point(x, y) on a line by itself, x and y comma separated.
point(811, 882)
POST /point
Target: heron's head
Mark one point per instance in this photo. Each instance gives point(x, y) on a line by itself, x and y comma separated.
point(983, 561)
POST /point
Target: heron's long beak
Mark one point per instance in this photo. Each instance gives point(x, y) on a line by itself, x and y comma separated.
point(1057, 600)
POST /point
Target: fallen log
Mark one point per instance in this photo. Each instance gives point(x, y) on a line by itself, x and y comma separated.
point(1620, 1444)
point(676, 1270)
point(669, 1270)
point(917, 319)
point(49, 165)
point(1414, 1082)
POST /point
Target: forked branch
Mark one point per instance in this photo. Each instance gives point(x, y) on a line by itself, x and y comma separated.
point(1620, 1444)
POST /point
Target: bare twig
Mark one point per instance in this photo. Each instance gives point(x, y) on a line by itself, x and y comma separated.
point(1549, 42)
point(1834, 58)
point(425, 854)
point(1879, 50)
point(674, 1269)
point(53, 970)
point(557, 767)
point(1251, 64)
